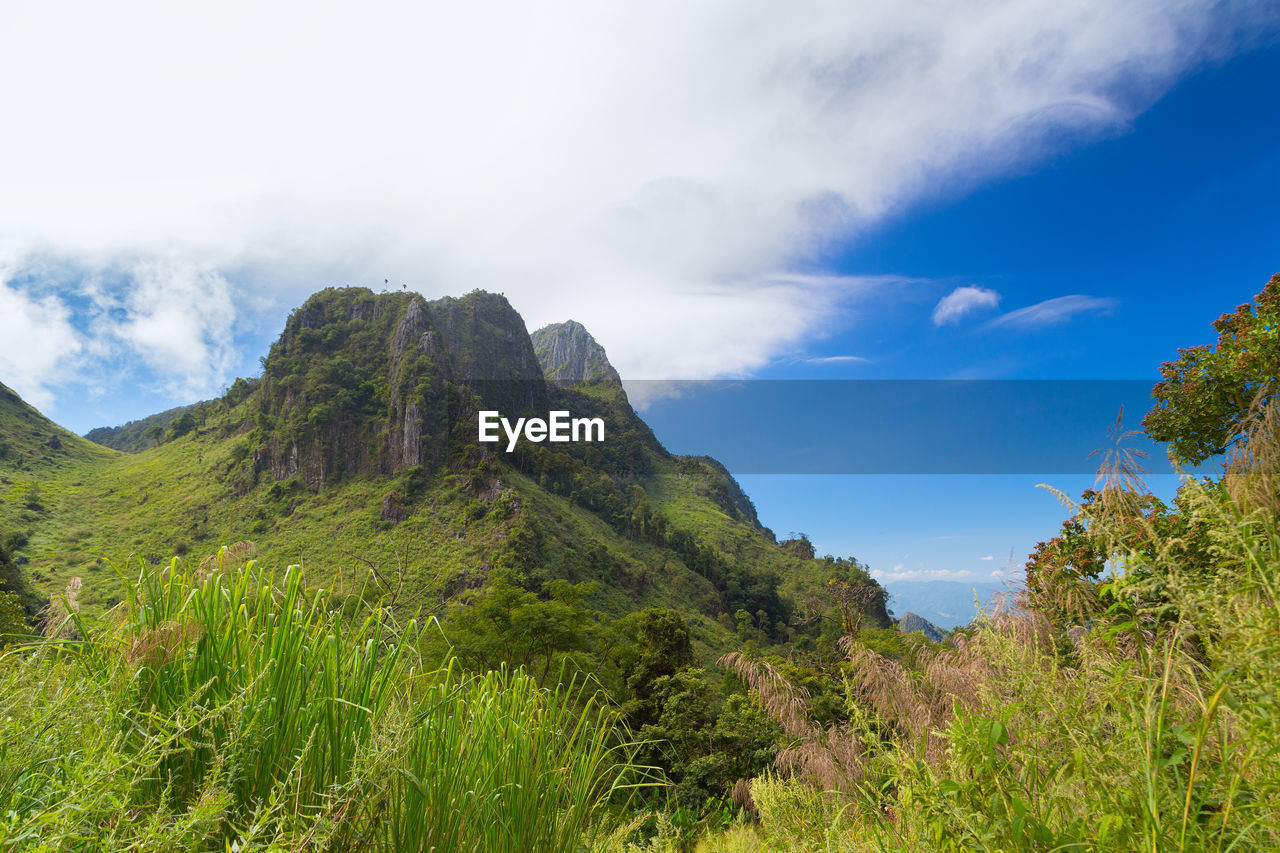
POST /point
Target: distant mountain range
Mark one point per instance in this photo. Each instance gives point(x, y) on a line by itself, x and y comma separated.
point(947, 604)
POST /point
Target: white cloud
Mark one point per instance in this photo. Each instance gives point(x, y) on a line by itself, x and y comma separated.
point(40, 346)
point(961, 301)
point(659, 171)
point(988, 557)
point(1053, 312)
point(178, 319)
point(72, 330)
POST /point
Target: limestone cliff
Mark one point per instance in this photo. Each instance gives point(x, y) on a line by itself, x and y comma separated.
point(569, 355)
point(360, 382)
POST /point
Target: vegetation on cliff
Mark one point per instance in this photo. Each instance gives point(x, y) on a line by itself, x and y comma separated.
point(601, 648)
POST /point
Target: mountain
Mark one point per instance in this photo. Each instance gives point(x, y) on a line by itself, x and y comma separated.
point(948, 604)
point(568, 354)
point(356, 455)
point(910, 623)
point(138, 435)
point(30, 443)
point(361, 383)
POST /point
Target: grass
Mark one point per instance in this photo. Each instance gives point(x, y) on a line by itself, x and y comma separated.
point(233, 709)
point(227, 706)
point(1156, 726)
point(495, 764)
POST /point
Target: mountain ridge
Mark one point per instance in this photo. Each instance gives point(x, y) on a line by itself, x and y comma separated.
point(356, 450)
point(136, 435)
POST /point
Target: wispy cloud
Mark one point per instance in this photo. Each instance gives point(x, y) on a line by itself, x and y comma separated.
point(833, 359)
point(548, 155)
point(898, 573)
point(962, 301)
point(988, 557)
point(1053, 312)
point(66, 327)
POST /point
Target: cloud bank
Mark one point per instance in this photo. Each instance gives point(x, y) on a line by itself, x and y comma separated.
point(668, 173)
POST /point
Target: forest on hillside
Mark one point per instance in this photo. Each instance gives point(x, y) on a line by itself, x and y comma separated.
point(1125, 702)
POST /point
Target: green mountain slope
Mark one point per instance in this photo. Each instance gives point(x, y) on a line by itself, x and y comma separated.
point(31, 444)
point(138, 435)
point(356, 455)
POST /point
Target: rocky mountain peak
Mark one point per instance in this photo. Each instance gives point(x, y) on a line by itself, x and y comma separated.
point(569, 355)
point(361, 382)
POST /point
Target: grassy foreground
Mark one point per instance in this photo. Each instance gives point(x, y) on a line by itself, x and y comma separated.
point(224, 708)
point(228, 709)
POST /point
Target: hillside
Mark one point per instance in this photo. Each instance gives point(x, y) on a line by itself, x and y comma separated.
point(138, 435)
point(355, 454)
point(32, 444)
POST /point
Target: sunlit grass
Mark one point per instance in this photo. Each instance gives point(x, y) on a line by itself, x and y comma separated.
point(230, 706)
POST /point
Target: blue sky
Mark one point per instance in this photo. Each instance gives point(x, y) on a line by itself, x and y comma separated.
point(1026, 189)
point(1175, 219)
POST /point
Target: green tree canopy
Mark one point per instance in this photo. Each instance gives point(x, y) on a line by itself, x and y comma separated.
point(182, 424)
point(1205, 395)
point(504, 625)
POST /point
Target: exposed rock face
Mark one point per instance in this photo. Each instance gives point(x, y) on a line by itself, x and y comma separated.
point(488, 348)
point(415, 385)
point(569, 355)
point(360, 382)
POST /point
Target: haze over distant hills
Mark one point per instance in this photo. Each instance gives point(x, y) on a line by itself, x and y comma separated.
point(947, 604)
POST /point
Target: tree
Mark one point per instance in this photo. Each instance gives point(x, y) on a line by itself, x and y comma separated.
point(156, 433)
point(182, 424)
point(13, 621)
point(13, 581)
point(658, 644)
point(704, 745)
point(1067, 576)
point(849, 596)
point(1205, 396)
point(504, 625)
